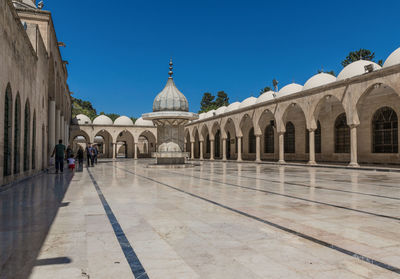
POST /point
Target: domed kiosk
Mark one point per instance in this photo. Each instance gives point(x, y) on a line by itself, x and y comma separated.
point(170, 115)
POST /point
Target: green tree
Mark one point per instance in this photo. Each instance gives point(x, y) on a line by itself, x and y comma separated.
point(133, 119)
point(361, 54)
point(113, 116)
point(83, 107)
point(206, 103)
point(222, 99)
point(265, 89)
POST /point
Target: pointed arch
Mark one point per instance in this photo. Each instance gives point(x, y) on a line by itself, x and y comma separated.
point(7, 131)
point(17, 134)
point(27, 135)
point(34, 140)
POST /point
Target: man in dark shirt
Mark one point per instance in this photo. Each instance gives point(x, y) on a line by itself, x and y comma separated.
point(89, 154)
point(59, 151)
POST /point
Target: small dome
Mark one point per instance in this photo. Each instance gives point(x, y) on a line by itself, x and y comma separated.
point(202, 115)
point(81, 119)
point(248, 102)
point(290, 89)
point(267, 96)
point(220, 110)
point(169, 147)
point(319, 80)
point(123, 121)
point(233, 106)
point(170, 98)
point(393, 59)
point(102, 120)
point(141, 122)
point(355, 69)
point(210, 113)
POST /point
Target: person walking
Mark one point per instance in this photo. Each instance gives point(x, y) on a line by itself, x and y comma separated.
point(79, 156)
point(59, 152)
point(96, 153)
point(89, 154)
point(70, 152)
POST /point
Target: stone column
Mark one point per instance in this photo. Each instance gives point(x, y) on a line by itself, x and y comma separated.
point(311, 148)
point(239, 143)
point(201, 149)
point(58, 128)
point(114, 151)
point(223, 149)
point(136, 151)
point(258, 148)
point(281, 147)
point(192, 150)
point(353, 146)
point(212, 150)
point(52, 126)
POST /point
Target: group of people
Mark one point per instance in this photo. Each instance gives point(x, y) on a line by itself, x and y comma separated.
point(60, 152)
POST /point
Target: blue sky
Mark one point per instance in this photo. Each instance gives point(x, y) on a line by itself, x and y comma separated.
point(118, 51)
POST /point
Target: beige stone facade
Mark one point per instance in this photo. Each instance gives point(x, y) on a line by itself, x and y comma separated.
point(352, 119)
point(35, 106)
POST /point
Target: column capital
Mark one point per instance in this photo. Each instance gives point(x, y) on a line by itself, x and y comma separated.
point(312, 129)
point(353, 125)
point(258, 135)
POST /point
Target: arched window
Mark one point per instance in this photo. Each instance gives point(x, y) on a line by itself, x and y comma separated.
point(217, 143)
point(317, 139)
point(385, 131)
point(27, 135)
point(342, 134)
point(290, 138)
point(34, 141)
point(252, 141)
point(17, 134)
point(208, 146)
point(7, 132)
point(269, 139)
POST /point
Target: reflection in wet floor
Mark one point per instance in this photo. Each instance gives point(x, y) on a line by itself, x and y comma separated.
point(27, 212)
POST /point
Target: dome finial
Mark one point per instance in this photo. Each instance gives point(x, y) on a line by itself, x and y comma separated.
point(170, 68)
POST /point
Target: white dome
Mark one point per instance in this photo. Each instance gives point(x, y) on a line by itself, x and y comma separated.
point(393, 59)
point(269, 95)
point(210, 113)
point(123, 121)
point(290, 89)
point(102, 120)
point(233, 106)
point(141, 122)
point(81, 119)
point(202, 115)
point(319, 80)
point(248, 102)
point(220, 110)
point(355, 69)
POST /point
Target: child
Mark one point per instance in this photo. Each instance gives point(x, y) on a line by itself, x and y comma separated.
point(71, 163)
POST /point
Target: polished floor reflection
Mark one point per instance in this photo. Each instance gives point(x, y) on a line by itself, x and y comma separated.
point(216, 220)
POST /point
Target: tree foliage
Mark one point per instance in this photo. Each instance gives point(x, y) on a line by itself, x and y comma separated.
point(85, 107)
point(265, 89)
point(361, 54)
point(207, 102)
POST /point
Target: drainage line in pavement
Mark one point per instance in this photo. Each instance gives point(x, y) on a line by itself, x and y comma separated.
point(288, 230)
point(130, 255)
point(294, 197)
point(315, 187)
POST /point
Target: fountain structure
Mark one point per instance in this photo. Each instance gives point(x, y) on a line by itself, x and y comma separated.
point(170, 115)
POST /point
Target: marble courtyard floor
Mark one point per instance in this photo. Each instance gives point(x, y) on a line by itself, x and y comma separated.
point(216, 220)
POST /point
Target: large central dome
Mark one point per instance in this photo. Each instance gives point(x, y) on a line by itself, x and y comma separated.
point(170, 98)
